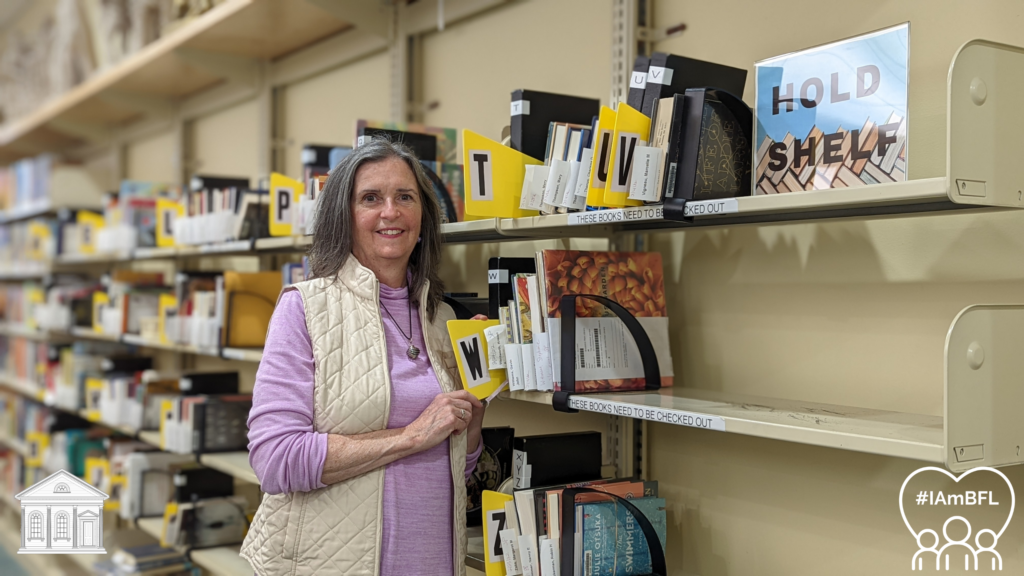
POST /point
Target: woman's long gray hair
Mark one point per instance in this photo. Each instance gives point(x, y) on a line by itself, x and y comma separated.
point(332, 236)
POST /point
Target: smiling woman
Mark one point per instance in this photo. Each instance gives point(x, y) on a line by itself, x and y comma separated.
point(350, 423)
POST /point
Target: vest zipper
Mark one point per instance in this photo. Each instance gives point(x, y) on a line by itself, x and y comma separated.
point(458, 474)
point(387, 418)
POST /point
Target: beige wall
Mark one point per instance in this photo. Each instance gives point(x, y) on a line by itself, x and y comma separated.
point(151, 158)
point(226, 143)
point(324, 109)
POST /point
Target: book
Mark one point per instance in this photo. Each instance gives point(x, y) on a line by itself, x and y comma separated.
point(671, 74)
point(661, 131)
point(601, 157)
point(613, 543)
point(634, 280)
point(522, 299)
point(500, 272)
point(533, 112)
point(638, 82)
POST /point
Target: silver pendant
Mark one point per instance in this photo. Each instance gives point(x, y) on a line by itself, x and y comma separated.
point(412, 352)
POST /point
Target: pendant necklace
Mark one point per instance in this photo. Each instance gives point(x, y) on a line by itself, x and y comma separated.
point(413, 351)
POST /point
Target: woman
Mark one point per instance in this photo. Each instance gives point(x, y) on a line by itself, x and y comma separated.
point(358, 412)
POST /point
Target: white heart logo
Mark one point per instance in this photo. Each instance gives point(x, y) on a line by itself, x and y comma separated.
point(1013, 497)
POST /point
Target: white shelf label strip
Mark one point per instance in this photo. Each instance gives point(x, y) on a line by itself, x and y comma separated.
point(616, 216)
point(712, 207)
point(665, 415)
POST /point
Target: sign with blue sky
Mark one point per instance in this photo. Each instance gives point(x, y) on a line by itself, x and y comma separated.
point(834, 115)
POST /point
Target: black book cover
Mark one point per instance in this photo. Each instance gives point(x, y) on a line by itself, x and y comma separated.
point(209, 383)
point(424, 146)
point(562, 458)
point(493, 468)
point(317, 157)
point(638, 82)
point(201, 182)
point(671, 74)
point(500, 271)
point(537, 110)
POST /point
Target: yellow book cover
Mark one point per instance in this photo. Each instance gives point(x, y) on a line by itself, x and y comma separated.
point(118, 482)
point(166, 410)
point(99, 300)
point(284, 198)
point(168, 304)
point(167, 211)
point(39, 240)
point(97, 472)
point(37, 443)
point(493, 177)
point(470, 345)
point(599, 168)
point(493, 507)
point(93, 394)
point(89, 225)
point(170, 511)
point(632, 128)
point(249, 300)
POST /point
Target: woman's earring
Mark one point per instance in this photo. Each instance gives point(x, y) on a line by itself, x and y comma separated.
point(420, 239)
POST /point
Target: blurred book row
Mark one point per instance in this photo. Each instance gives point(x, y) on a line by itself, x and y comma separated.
point(51, 52)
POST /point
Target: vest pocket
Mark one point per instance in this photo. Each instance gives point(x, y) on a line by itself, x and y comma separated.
point(293, 525)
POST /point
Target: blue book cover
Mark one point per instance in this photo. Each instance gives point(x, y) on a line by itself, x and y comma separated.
point(613, 543)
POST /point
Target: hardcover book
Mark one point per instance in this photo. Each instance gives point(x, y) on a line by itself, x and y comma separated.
point(606, 356)
point(613, 543)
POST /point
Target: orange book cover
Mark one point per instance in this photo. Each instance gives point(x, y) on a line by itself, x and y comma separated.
point(635, 280)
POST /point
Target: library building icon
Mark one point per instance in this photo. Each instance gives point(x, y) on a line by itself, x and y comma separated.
point(61, 514)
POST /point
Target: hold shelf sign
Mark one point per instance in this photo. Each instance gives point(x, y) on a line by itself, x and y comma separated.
point(651, 413)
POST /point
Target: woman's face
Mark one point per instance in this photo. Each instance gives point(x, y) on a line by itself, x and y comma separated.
point(387, 212)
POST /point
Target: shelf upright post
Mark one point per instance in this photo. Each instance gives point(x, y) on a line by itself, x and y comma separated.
point(628, 18)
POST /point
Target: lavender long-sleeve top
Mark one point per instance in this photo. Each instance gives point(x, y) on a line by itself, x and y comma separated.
point(288, 455)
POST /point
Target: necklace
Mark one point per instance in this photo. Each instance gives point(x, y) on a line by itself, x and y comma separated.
point(412, 351)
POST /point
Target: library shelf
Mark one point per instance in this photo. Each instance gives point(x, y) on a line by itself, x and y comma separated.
point(224, 44)
point(234, 463)
point(220, 560)
point(896, 434)
point(914, 197)
point(17, 330)
point(21, 386)
point(151, 437)
point(15, 444)
point(24, 271)
point(153, 526)
point(475, 548)
point(227, 353)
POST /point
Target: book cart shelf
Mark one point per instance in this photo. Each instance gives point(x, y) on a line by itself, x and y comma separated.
point(224, 57)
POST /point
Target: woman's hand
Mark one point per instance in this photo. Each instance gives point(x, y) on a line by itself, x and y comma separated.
point(447, 414)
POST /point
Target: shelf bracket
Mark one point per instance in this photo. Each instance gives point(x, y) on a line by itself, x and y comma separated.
point(372, 17)
point(148, 105)
point(983, 396)
point(237, 69)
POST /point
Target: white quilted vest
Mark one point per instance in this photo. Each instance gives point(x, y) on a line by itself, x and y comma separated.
point(337, 529)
